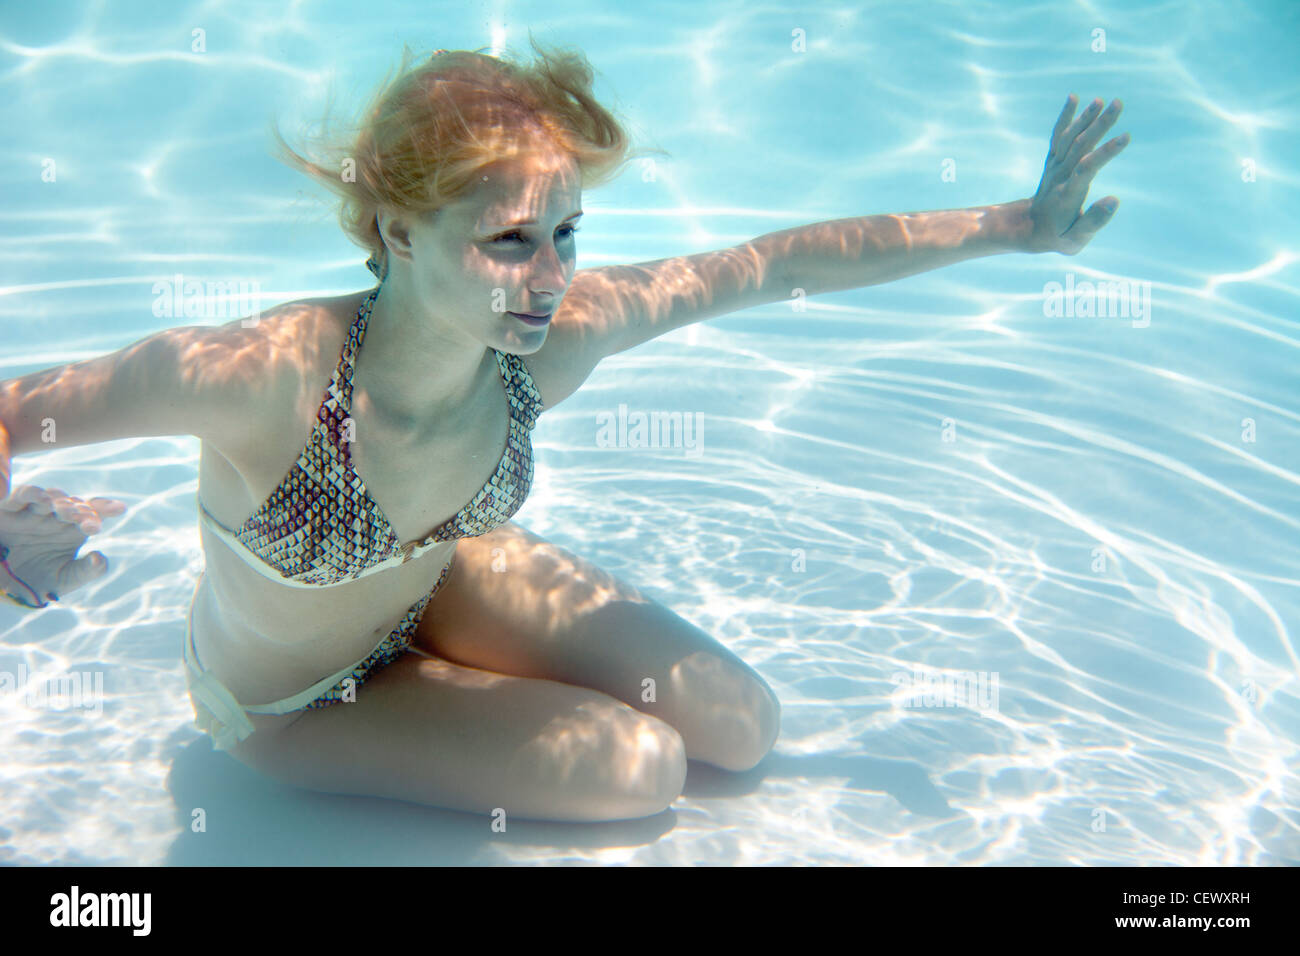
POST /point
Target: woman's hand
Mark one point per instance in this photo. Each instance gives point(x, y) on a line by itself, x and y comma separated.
point(1054, 213)
point(42, 531)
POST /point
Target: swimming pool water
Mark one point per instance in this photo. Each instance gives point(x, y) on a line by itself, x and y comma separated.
point(1090, 522)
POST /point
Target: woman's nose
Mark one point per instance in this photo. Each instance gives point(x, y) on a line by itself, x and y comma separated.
point(551, 271)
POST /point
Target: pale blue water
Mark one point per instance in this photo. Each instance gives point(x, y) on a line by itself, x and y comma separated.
point(1111, 533)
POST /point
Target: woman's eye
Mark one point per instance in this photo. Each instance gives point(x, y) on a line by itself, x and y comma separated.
point(566, 232)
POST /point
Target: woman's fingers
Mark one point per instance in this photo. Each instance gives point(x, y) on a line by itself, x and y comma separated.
point(107, 507)
point(1092, 134)
point(1078, 126)
point(75, 511)
point(19, 497)
point(1072, 142)
point(1058, 141)
point(1062, 138)
point(88, 515)
point(1098, 158)
point(1065, 142)
point(25, 495)
point(80, 572)
point(1062, 122)
point(1086, 226)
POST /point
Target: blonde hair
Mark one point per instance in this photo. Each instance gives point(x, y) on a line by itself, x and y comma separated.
point(427, 133)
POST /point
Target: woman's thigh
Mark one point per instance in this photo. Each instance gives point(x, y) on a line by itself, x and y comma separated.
point(516, 604)
point(433, 732)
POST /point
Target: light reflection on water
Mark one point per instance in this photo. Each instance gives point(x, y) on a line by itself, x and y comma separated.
point(1098, 533)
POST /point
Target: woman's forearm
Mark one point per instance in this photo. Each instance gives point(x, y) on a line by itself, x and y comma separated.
point(850, 253)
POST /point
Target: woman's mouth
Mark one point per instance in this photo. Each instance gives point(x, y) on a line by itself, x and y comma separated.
point(537, 321)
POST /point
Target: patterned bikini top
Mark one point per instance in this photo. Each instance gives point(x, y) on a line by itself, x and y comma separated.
point(320, 526)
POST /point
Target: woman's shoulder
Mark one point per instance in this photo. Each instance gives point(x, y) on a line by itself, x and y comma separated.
point(289, 343)
point(273, 364)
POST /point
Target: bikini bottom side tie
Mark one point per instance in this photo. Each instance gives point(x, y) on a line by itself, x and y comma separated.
point(225, 719)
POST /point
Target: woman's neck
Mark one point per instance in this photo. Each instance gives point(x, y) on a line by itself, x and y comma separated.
point(413, 369)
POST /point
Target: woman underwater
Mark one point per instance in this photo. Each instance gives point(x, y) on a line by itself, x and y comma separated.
point(334, 642)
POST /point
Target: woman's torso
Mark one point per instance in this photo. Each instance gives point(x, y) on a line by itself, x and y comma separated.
point(266, 640)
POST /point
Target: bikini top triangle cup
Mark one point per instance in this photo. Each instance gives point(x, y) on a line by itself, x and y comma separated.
point(321, 527)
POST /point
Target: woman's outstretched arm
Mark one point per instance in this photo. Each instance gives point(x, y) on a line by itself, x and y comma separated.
point(868, 250)
point(614, 308)
point(849, 253)
point(187, 380)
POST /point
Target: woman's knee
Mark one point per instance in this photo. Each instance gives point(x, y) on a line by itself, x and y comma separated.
point(765, 726)
point(663, 749)
point(735, 725)
point(617, 764)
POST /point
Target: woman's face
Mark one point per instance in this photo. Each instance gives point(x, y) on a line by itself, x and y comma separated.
point(506, 247)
